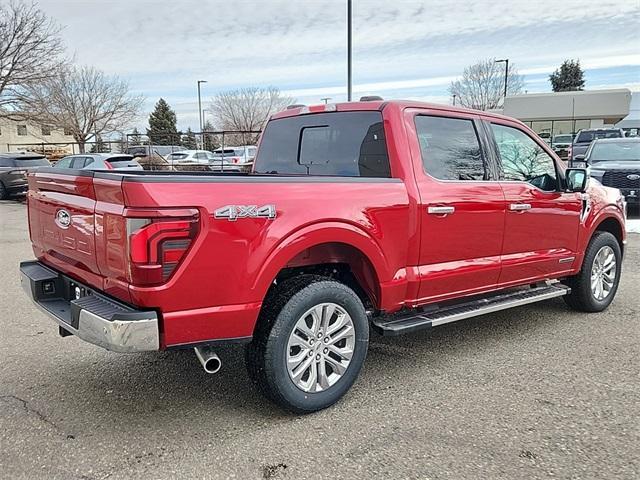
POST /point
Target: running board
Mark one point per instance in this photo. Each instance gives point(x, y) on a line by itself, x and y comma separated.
point(410, 322)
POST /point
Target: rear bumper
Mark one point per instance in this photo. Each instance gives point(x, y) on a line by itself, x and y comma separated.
point(93, 317)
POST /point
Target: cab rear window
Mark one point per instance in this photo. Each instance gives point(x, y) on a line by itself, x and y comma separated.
point(349, 144)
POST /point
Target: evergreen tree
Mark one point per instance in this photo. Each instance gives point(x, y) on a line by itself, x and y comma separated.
point(162, 125)
point(189, 140)
point(134, 138)
point(99, 146)
point(568, 77)
point(209, 139)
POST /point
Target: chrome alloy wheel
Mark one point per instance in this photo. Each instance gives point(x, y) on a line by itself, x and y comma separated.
point(320, 347)
point(603, 273)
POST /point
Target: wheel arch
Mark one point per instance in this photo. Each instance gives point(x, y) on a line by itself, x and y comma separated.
point(320, 249)
point(612, 225)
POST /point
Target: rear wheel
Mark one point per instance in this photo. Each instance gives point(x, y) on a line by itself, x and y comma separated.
point(310, 343)
point(4, 194)
point(593, 289)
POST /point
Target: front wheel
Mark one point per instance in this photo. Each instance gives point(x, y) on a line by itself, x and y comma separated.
point(595, 286)
point(310, 343)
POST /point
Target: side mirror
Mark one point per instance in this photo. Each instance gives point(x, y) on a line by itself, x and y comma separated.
point(577, 179)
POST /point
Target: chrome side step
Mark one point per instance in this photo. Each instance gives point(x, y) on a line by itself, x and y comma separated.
point(410, 322)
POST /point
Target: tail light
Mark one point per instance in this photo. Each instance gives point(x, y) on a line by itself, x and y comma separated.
point(235, 159)
point(158, 242)
point(569, 151)
point(108, 165)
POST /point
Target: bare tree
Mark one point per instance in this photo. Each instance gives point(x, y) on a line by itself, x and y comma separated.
point(30, 51)
point(247, 109)
point(482, 85)
point(84, 102)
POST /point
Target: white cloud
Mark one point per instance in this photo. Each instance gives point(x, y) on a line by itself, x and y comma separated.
point(164, 47)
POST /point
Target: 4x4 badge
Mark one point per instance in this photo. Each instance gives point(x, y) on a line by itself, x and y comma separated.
point(234, 212)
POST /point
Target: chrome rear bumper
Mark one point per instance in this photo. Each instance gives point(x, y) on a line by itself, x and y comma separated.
point(88, 314)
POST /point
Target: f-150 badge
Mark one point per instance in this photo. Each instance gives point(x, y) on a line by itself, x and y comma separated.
point(234, 212)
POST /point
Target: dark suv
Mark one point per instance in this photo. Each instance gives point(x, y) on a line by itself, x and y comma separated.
point(13, 170)
point(615, 162)
point(585, 137)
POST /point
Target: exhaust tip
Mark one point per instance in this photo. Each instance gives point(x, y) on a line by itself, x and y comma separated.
point(208, 359)
point(213, 365)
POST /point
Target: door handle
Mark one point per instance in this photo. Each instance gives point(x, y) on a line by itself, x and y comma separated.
point(519, 207)
point(442, 210)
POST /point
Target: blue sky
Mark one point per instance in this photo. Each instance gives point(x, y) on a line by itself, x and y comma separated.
point(402, 49)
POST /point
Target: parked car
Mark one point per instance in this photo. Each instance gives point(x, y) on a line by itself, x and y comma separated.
point(99, 161)
point(190, 157)
point(153, 157)
point(561, 144)
point(13, 170)
point(585, 137)
point(395, 216)
point(545, 136)
point(615, 162)
point(187, 158)
point(241, 156)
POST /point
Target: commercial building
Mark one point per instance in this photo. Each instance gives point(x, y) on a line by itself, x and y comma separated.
point(20, 135)
point(551, 114)
point(631, 123)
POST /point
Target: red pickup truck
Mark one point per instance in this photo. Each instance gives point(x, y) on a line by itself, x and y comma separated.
point(392, 216)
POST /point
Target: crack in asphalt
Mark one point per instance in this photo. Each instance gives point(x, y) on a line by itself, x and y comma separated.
point(29, 409)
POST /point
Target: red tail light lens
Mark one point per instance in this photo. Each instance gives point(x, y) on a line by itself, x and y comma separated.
point(235, 159)
point(157, 244)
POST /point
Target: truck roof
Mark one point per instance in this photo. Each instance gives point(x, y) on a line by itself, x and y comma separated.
point(379, 105)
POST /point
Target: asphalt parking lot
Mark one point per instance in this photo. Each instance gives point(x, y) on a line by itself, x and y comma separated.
point(537, 392)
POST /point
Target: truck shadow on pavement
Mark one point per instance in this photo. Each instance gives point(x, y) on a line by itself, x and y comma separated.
point(138, 388)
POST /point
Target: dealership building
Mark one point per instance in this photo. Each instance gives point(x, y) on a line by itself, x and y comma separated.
point(551, 114)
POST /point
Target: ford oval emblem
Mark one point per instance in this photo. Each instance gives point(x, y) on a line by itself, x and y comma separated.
point(63, 218)
point(633, 176)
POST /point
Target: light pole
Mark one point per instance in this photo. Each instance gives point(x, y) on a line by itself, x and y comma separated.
point(200, 103)
point(454, 99)
point(506, 74)
point(326, 100)
point(349, 42)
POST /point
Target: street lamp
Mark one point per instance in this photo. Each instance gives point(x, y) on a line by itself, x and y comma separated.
point(454, 99)
point(349, 42)
point(506, 74)
point(200, 103)
point(326, 100)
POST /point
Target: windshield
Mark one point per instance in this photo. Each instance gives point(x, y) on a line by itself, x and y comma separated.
point(612, 152)
point(590, 135)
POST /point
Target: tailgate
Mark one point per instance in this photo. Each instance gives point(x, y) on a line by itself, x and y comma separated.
point(62, 221)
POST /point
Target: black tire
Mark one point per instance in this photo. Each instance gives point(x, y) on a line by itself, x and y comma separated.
point(266, 354)
point(4, 194)
point(581, 297)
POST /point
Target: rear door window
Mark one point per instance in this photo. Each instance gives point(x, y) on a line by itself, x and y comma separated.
point(450, 148)
point(350, 144)
point(64, 162)
point(78, 162)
